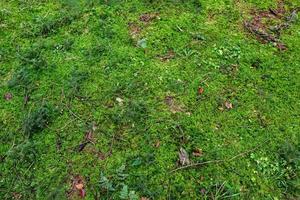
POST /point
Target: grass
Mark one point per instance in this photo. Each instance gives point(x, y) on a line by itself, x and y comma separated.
point(123, 78)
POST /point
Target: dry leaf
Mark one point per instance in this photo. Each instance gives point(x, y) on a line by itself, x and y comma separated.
point(8, 96)
point(200, 90)
point(183, 157)
point(157, 144)
point(134, 30)
point(197, 152)
point(168, 56)
point(89, 136)
point(79, 186)
point(82, 193)
point(147, 17)
point(174, 107)
point(228, 105)
point(144, 198)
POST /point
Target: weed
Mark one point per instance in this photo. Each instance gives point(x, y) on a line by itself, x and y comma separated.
point(117, 183)
point(33, 58)
point(21, 79)
point(75, 83)
point(19, 161)
point(49, 26)
point(38, 119)
point(220, 191)
point(96, 52)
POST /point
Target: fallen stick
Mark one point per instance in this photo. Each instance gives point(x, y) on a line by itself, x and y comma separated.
point(220, 161)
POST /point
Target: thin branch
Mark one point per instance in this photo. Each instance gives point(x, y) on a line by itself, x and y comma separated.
point(220, 161)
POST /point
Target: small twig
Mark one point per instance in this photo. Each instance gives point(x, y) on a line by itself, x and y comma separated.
point(220, 161)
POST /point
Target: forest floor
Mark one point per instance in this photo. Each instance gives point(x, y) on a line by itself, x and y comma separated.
point(150, 99)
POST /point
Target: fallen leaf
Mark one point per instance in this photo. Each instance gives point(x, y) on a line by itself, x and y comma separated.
point(228, 105)
point(79, 186)
point(8, 96)
point(174, 107)
point(183, 157)
point(94, 127)
point(200, 90)
point(157, 144)
point(144, 198)
point(82, 193)
point(168, 56)
point(147, 17)
point(101, 156)
point(197, 152)
point(89, 136)
point(134, 30)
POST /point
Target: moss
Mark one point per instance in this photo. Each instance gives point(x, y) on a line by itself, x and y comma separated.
point(113, 64)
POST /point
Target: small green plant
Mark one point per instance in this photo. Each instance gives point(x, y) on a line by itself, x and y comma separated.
point(21, 79)
point(105, 183)
point(23, 153)
point(116, 185)
point(231, 54)
point(96, 52)
point(65, 45)
point(38, 119)
point(20, 160)
point(49, 26)
point(289, 156)
point(220, 191)
point(75, 82)
point(126, 194)
point(33, 58)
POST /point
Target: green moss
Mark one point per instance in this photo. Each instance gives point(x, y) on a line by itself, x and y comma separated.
point(97, 62)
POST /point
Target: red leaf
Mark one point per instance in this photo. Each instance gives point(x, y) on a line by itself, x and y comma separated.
point(82, 193)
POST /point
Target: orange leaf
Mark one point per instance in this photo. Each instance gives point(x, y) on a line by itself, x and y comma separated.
point(200, 90)
point(79, 186)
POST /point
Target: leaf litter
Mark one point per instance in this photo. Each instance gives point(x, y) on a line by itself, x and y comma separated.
point(262, 24)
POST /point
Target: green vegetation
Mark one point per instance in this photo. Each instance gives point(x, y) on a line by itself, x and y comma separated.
point(99, 97)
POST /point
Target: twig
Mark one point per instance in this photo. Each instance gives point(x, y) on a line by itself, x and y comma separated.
point(220, 161)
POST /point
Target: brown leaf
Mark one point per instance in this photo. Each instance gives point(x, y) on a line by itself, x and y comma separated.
point(197, 152)
point(174, 107)
point(79, 186)
point(147, 17)
point(183, 157)
point(157, 144)
point(101, 156)
point(134, 30)
point(200, 90)
point(170, 55)
point(144, 198)
point(8, 96)
point(89, 136)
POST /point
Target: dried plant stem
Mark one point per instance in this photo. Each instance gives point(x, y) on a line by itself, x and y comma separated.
point(219, 161)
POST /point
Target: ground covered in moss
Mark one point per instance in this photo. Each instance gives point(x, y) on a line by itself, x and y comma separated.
point(149, 99)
